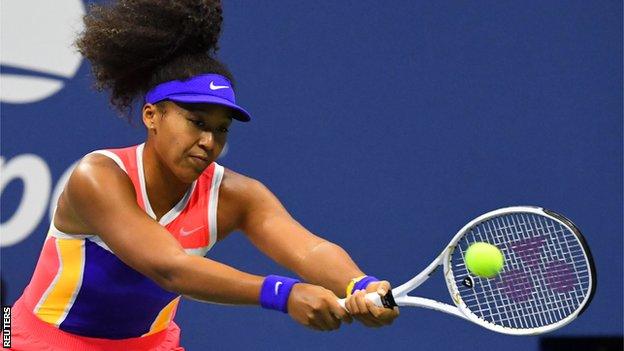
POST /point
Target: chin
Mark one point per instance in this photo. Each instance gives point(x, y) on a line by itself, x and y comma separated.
point(188, 176)
point(189, 172)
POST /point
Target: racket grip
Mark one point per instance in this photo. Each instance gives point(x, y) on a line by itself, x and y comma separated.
point(386, 301)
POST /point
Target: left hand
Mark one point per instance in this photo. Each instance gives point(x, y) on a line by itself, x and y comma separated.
point(365, 311)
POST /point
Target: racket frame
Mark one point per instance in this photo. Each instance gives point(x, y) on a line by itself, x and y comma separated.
point(460, 309)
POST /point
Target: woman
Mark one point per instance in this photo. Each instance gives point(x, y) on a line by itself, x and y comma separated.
point(133, 224)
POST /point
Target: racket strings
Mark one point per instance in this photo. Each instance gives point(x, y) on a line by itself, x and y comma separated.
point(546, 275)
point(522, 285)
point(501, 310)
point(532, 314)
point(532, 311)
point(556, 305)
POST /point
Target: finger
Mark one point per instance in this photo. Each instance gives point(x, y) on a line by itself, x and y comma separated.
point(374, 312)
point(394, 314)
point(362, 319)
point(314, 327)
point(387, 316)
point(355, 309)
point(312, 324)
point(310, 321)
point(352, 305)
point(347, 319)
point(329, 321)
point(318, 324)
point(340, 313)
point(360, 301)
point(383, 288)
point(364, 314)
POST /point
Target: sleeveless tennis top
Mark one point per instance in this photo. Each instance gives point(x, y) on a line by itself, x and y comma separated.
point(81, 287)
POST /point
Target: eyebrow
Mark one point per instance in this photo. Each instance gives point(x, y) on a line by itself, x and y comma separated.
point(203, 114)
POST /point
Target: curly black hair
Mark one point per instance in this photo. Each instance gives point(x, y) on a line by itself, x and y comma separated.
point(133, 45)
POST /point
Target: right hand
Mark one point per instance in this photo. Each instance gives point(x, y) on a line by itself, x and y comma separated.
point(316, 307)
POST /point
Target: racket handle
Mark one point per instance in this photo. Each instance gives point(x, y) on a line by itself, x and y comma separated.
point(386, 301)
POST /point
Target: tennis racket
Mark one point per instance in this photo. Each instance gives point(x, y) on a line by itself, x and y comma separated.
point(548, 278)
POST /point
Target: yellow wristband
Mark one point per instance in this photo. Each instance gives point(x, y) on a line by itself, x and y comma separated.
point(352, 283)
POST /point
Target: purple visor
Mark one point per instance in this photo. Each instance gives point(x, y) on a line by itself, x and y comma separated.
point(204, 88)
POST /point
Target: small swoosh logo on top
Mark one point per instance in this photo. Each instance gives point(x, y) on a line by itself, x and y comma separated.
point(217, 87)
point(184, 232)
point(277, 285)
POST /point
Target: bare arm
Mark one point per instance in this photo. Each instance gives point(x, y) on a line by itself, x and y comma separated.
point(274, 232)
point(103, 200)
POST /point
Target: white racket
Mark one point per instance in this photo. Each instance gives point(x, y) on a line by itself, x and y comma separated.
point(547, 280)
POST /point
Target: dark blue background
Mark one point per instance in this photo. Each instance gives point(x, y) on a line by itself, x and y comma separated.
point(384, 128)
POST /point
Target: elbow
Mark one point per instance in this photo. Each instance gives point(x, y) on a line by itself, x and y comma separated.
point(168, 283)
point(171, 276)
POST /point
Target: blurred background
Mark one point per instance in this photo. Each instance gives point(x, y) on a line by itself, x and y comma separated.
point(382, 126)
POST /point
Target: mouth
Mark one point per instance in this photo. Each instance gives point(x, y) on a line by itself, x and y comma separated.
point(200, 160)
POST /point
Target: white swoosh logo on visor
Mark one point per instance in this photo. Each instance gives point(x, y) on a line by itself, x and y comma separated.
point(217, 87)
point(189, 232)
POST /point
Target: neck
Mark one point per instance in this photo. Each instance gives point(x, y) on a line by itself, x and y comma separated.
point(164, 189)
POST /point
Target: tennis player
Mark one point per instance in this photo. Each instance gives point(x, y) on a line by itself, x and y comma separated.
point(133, 224)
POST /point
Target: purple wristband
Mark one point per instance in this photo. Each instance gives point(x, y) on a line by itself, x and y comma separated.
point(363, 283)
point(275, 291)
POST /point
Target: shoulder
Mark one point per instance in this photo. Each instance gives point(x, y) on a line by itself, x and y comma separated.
point(96, 179)
point(234, 183)
point(97, 159)
point(95, 164)
point(240, 195)
point(239, 192)
point(96, 171)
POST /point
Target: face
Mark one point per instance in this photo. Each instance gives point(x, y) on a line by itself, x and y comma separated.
point(187, 137)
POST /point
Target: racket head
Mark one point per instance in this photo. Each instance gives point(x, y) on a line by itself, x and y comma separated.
point(548, 278)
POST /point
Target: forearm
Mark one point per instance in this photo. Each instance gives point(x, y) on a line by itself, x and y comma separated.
point(328, 265)
point(207, 280)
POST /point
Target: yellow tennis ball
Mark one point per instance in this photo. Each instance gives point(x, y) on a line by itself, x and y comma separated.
point(484, 260)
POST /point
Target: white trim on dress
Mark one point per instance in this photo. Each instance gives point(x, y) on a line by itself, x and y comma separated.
point(213, 203)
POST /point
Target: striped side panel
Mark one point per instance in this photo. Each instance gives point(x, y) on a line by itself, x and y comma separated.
point(45, 272)
point(61, 294)
point(164, 317)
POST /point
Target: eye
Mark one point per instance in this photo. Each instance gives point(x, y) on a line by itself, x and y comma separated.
point(223, 130)
point(198, 123)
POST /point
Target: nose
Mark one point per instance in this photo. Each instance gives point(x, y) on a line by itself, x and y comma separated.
point(207, 140)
